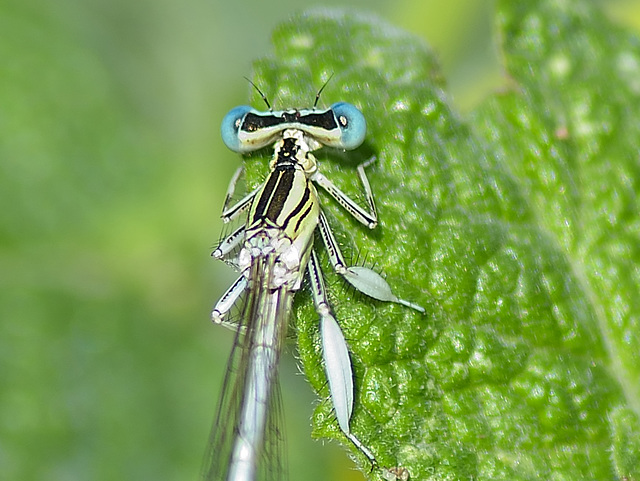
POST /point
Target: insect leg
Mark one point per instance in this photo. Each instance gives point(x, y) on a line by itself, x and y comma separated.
point(230, 213)
point(227, 301)
point(368, 218)
point(362, 278)
point(336, 358)
point(228, 244)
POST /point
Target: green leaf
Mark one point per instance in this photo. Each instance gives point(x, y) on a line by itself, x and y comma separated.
point(518, 232)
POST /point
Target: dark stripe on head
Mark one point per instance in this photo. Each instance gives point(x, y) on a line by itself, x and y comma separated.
point(254, 122)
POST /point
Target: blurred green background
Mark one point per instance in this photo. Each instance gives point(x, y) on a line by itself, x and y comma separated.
point(112, 175)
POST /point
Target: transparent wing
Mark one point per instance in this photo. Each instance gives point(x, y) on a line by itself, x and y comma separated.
point(273, 465)
point(248, 415)
point(218, 453)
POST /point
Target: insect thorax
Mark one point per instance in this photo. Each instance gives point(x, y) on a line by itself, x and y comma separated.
point(285, 212)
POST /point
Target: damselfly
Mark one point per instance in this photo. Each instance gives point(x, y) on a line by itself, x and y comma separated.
point(272, 249)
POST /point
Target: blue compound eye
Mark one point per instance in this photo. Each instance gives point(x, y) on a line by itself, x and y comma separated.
point(352, 125)
point(231, 126)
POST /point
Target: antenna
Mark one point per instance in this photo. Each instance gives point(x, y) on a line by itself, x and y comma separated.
point(264, 97)
point(320, 91)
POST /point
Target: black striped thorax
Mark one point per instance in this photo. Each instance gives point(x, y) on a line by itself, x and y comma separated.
point(288, 200)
